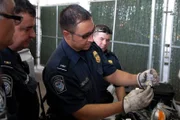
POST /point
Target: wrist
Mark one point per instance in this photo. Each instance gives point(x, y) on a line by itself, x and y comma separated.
point(126, 106)
point(138, 80)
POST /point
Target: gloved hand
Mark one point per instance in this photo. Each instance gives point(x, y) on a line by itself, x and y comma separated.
point(138, 99)
point(148, 77)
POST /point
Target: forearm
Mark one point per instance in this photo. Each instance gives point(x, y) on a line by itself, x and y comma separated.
point(122, 78)
point(120, 93)
point(98, 111)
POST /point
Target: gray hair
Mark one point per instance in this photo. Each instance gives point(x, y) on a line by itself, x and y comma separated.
point(4, 6)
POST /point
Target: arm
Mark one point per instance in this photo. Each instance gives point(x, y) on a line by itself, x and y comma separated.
point(135, 100)
point(98, 111)
point(120, 93)
point(120, 90)
point(144, 79)
point(122, 78)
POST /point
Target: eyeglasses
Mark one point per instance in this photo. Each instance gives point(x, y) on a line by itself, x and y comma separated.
point(85, 36)
point(17, 19)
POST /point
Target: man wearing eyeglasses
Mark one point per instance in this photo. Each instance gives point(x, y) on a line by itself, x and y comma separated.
point(72, 74)
point(22, 99)
point(7, 22)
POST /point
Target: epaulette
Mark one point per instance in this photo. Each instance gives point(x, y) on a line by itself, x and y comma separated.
point(64, 64)
point(5, 58)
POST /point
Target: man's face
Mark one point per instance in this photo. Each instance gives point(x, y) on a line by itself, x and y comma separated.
point(7, 27)
point(24, 32)
point(82, 39)
point(102, 40)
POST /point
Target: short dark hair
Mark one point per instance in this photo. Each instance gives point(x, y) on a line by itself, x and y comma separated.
point(103, 28)
point(24, 6)
point(71, 16)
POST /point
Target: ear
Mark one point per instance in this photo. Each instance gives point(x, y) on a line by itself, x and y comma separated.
point(67, 35)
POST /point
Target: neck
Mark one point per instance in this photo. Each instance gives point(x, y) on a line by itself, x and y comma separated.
point(13, 48)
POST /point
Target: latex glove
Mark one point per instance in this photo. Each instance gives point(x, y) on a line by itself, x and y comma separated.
point(138, 99)
point(148, 77)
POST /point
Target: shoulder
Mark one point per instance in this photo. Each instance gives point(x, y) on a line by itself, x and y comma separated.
point(57, 64)
point(64, 64)
point(95, 47)
point(55, 57)
point(7, 57)
point(110, 53)
point(5, 53)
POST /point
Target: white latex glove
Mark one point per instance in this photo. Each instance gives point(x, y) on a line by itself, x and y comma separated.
point(138, 99)
point(148, 77)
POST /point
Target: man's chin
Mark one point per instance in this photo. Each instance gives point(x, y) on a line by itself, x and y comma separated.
point(87, 47)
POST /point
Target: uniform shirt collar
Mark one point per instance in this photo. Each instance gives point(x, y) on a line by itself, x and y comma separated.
point(10, 56)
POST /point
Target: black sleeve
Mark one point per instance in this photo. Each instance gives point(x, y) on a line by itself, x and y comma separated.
point(66, 95)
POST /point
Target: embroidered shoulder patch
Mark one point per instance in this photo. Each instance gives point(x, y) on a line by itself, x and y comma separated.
point(8, 84)
point(58, 84)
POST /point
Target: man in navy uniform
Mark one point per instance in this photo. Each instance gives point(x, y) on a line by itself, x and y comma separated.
point(71, 75)
point(20, 88)
point(102, 36)
point(7, 22)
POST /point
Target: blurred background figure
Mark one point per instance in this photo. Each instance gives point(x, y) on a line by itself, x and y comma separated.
point(7, 22)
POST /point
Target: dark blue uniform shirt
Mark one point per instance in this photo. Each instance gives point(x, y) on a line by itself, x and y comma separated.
point(112, 59)
point(20, 88)
point(72, 79)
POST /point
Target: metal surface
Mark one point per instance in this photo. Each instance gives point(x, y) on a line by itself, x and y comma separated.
point(114, 24)
point(151, 34)
point(163, 39)
point(38, 36)
point(57, 14)
point(170, 37)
